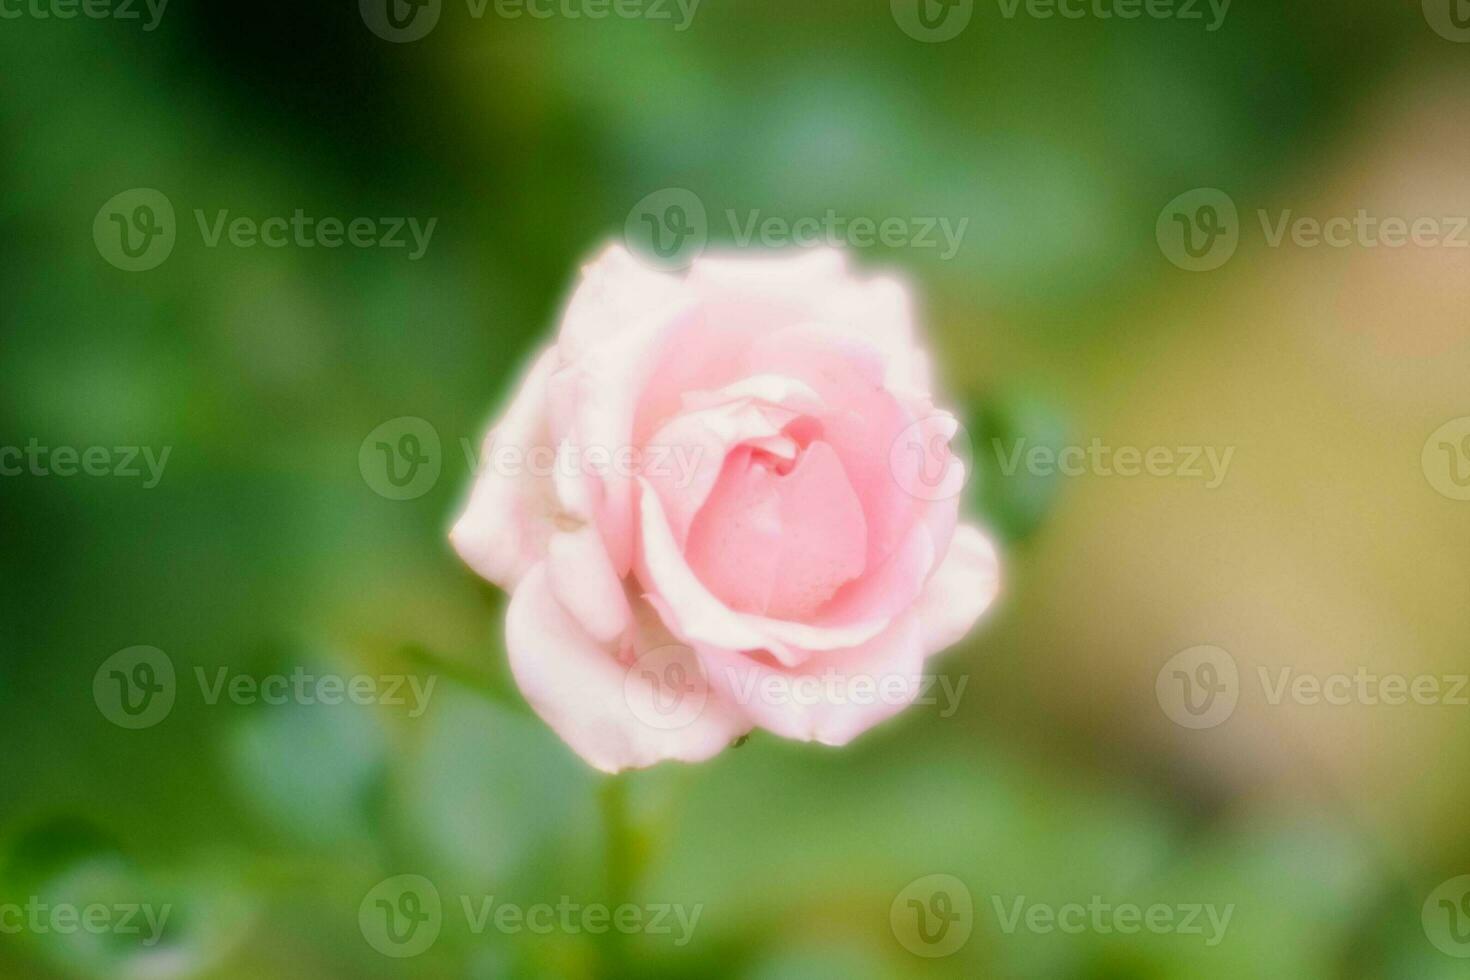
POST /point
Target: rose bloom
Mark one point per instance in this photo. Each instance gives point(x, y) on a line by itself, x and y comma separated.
point(785, 553)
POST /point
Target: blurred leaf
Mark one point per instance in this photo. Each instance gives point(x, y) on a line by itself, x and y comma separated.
point(1014, 498)
point(90, 911)
point(486, 789)
point(313, 771)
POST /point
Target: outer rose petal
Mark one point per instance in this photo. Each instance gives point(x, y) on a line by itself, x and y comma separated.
point(510, 516)
point(583, 580)
point(802, 278)
point(961, 588)
point(602, 389)
point(817, 284)
point(858, 688)
point(880, 311)
point(577, 686)
point(616, 292)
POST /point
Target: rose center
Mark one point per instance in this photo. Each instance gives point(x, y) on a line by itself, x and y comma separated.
point(782, 530)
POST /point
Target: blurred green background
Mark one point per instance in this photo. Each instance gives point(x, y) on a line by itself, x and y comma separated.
point(263, 548)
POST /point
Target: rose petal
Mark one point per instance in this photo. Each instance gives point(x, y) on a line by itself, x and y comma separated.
point(779, 545)
point(586, 694)
point(616, 293)
point(960, 590)
point(696, 616)
point(685, 458)
point(582, 578)
point(509, 518)
point(832, 697)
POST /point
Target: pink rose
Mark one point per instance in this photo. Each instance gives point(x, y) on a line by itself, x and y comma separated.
point(723, 501)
